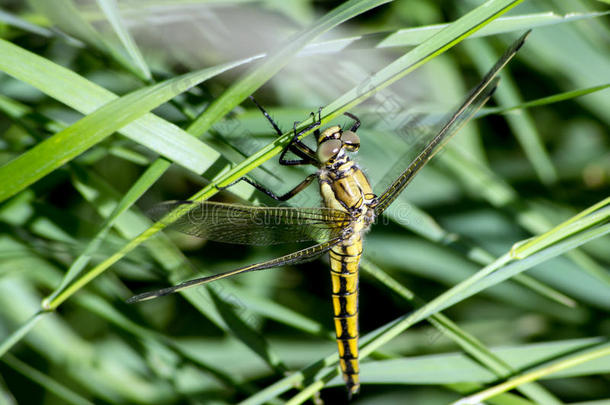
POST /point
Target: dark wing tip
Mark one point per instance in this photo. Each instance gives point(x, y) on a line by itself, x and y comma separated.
point(150, 295)
point(519, 42)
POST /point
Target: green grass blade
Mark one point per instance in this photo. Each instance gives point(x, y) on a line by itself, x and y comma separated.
point(436, 45)
point(559, 365)
point(488, 186)
point(424, 225)
point(148, 178)
point(415, 36)
point(469, 343)
point(63, 392)
point(110, 9)
point(86, 97)
point(208, 300)
point(69, 143)
point(18, 334)
point(599, 213)
point(460, 368)
point(20, 23)
point(556, 98)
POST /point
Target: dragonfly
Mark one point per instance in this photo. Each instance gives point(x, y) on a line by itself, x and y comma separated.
point(350, 208)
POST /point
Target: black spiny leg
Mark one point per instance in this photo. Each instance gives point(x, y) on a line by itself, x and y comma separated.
point(356, 125)
point(297, 147)
point(284, 197)
point(307, 156)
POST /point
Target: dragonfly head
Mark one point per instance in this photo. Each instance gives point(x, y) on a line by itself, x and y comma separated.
point(333, 140)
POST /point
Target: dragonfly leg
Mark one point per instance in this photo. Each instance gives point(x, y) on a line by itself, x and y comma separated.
point(284, 197)
point(266, 114)
point(356, 125)
point(307, 155)
point(295, 146)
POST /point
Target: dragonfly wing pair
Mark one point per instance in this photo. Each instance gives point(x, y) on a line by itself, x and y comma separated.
point(243, 224)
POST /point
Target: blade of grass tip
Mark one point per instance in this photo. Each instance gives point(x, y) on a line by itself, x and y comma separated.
point(110, 9)
point(48, 383)
point(86, 97)
point(90, 130)
point(556, 98)
point(18, 334)
point(66, 15)
point(534, 375)
point(469, 343)
point(259, 75)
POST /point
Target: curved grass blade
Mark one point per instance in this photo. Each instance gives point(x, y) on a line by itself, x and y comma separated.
point(110, 9)
point(424, 225)
point(458, 367)
point(499, 194)
point(436, 45)
point(598, 213)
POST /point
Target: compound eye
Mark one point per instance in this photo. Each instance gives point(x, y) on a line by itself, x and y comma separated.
point(328, 149)
point(351, 140)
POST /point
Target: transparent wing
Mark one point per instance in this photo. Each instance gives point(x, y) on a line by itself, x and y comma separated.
point(301, 256)
point(252, 225)
point(473, 102)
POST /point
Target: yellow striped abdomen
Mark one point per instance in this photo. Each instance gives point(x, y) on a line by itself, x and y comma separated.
point(344, 260)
